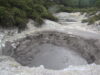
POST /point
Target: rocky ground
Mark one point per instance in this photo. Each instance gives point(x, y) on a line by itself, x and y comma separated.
point(9, 67)
point(78, 41)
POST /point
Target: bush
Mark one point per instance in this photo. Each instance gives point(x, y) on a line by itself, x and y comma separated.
point(71, 9)
point(6, 18)
point(18, 12)
point(20, 23)
point(15, 13)
point(85, 20)
point(39, 21)
point(97, 4)
point(49, 16)
point(92, 20)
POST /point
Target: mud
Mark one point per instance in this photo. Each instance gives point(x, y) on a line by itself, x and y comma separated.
point(54, 50)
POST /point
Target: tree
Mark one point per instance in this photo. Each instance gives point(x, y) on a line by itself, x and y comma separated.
point(17, 12)
point(97, 4)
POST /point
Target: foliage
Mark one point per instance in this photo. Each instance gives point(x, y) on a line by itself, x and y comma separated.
point(15, 13)
point(97, 4)
point(76, 3)
point(92, 18)
point(74, 9)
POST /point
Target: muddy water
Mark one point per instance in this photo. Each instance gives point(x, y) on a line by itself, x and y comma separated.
point(54, 57)
point(54, 50)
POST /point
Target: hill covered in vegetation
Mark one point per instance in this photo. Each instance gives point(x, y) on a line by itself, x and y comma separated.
point(15, 13)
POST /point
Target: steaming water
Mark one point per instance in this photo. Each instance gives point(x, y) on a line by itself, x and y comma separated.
point(54, 57)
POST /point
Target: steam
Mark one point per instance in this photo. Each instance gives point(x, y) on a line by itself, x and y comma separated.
point(54, 9)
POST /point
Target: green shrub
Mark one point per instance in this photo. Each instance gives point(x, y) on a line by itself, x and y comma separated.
point(72, 9)
point(85, 20)
point(18, 12)
point(6, 18)
point(97, 4)
point(15, 13)
point(39, 21)
point(21, 23)
point(49, 16)
point(93, 19)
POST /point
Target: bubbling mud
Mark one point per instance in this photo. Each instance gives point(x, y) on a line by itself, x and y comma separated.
point(54, 50)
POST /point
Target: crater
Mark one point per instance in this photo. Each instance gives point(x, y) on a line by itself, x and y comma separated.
point(54, 50)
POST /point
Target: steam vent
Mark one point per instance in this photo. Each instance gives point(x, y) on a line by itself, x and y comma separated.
point(54, 50)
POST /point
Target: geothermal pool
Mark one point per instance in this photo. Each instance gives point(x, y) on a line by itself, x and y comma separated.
point(54, 50)
point(55, 57)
